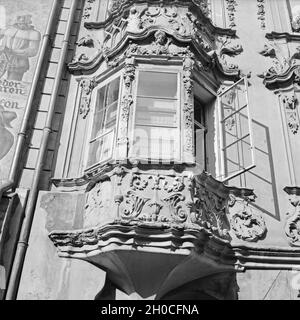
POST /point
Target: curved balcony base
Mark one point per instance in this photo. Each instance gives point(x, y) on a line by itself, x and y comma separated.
point(147, 260)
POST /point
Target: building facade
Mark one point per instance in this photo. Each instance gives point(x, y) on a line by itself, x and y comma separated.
point(149, 149)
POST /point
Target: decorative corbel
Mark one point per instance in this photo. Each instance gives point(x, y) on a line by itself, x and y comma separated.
point(292, 224)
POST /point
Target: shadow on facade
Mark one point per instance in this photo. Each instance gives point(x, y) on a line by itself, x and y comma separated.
point(263, 175)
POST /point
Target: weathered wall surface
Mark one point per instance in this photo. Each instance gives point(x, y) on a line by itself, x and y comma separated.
point(45, 275)
point(268, 285)
point(22, 24)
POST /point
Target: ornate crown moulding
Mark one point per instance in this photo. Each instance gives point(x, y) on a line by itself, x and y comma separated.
point(163, 45)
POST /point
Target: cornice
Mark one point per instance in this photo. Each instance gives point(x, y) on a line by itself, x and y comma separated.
point(283, 35)
point(273, 80)
point(168, 239)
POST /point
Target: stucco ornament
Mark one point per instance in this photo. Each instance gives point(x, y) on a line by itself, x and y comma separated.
point(296, 19)
point(127, 101)
point(87, 86)
point(246, 223)
point(292, 225)
point(227, 49)
point(290, 105)
point(155, 198)
point(284, 67)
point(86, 41)
point(88, 9)
point(261, 13)
point(231, 9)
point(210, 212)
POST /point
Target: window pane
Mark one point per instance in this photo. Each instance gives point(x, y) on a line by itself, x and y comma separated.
point(101, 143)
point(157, 84)
point(106, 108)
point(101, 149)
point(99, 112)
point(156, 112)
point(113, 91)
point(200, 147)
point(111, 115)
point(155, 142)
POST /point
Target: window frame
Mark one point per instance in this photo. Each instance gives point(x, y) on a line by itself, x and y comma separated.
point(91, 118)
point(202, 126)
point(166, 68)
point(221, 174)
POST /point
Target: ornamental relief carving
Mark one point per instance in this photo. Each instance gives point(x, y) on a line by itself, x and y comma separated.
point(136, 21)
point(188, 120)
point(228, 49)
point(127, 100)
point(86, 41)
point(231, 10)
point(245, 221)
point(160, 199)
point(283, 67)
point(290, 103)
point(87, 86)
point(296, 19)
point(115, 5)
point(142, 19)
point(261, 13)
point(88, 9)
point(167, 17)
point(132, 203)
point(155, 198)
point(292, 224)
point(97, 205)
point(161, 45)
point(209, 211)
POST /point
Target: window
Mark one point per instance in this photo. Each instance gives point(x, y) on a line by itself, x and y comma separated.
point(156, 117)
point(236, 144)
point(104, 123)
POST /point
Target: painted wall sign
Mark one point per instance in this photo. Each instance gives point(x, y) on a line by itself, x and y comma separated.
point(22, 24)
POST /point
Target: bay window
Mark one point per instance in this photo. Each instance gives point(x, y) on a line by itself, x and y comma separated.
point(149, 121)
